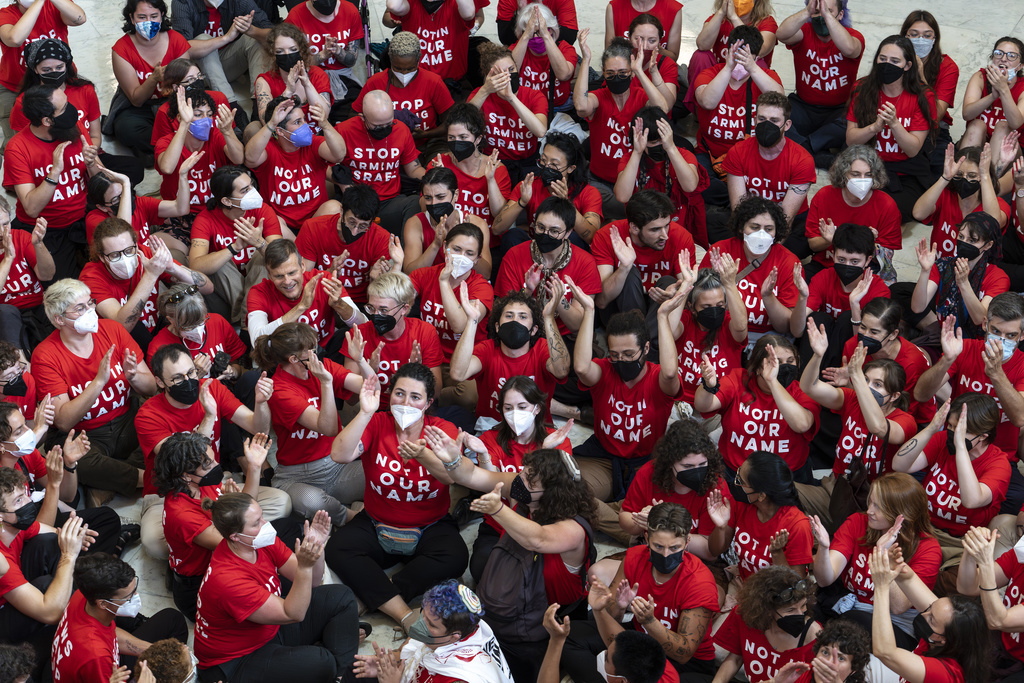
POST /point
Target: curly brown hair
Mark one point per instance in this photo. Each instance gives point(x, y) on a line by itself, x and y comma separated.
point(8, 355)
point(11, 480)
point(563, 497)
point(168, 659)
point(6, 410)
point(684, 438)
point(286, 30)
point(670, 517)
point(515, 297)
point(759, 598)
point(852, 640)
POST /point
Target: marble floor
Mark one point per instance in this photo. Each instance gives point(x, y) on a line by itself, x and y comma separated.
point(968, 35)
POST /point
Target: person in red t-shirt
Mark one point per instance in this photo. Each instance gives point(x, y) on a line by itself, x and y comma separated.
point(843, 652)
point(646, 33)
point(293, 76)
point(774, 167)
point(335, 32)
point(657, 164)
point(516, 116)
point(564, 12)
point(186, 73)
point(243, 625)
point(826, 55)
point(541, 44)
point(611, 111)
point(23, 24)
point(980, 567)
point(620, 15)
point(855, 195)
point(24, 265)
point(631, 655)
point(405, 518)
point(717, 29)
point(443, 29)
point(897, 513)
point(994, 100)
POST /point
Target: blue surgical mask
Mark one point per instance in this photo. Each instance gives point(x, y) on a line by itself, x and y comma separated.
point(148, 29)
point(200, 128)
point(1009, 346)
point(302, 136)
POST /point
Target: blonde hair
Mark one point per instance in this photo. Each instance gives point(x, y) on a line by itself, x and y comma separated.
point(60, 295)
point(396, 286)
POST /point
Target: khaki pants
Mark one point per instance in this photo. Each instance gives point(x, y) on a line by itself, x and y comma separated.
point(229, 63)
point(462, 394)
point(816, 499)
point(1006, 525)
point(233, 286)
point(597, 472)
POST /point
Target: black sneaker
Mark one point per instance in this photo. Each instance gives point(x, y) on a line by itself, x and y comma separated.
point(241, 118)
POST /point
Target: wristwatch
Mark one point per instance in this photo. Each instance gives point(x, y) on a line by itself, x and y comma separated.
point(234, 252)
point(1019, 194)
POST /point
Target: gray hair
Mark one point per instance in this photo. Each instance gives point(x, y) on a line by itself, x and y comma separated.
point(189, 312)
point(619, 47)
point(707, 280)
point(404, 44)
point(843, 163)
point(1007, 306)
point(546, 15)
point(60, 295)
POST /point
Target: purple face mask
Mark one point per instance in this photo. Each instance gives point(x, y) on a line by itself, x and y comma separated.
point(536, 45)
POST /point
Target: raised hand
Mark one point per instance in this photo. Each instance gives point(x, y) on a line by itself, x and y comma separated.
point(584, 48)
point(625, 593)
point(856, 365)
point(578, 294)
point(888, 539)
point(827, 229)
point(103, 371)
point(185, 112)
point(369, 396)
point(58, 160)
point(443, 446)
point(719, 508)
point(71, 537)
point(411, 450)
point(817, 338)
point(490, 502)
point(768, 286)
point(962, 272)
point(557, 437)
point(45, 411)
point(925, 256)
point(319, 529)
point(556, 629)
point(54, 468)
point(190, 162)
point(938, 422)
point(951, 338)
point(599, 596)
point(319, 114)
point(416, 355)
point(264, 388)
point(249, 232)
point(623, 249)
point(532, 278)
point(319, 370)
point(225, 119)
point(555, 291)
point(770, 366)
point(779, 541)
point(791, 671)
point(820, 533)
point(707, 371)
point(307, 552)
point(526, 189)
point(799, 282)
point(354, 343)
point(639, 139)
point(857, 295)
point(75, 447)
point(207, 401)
point(256, 450)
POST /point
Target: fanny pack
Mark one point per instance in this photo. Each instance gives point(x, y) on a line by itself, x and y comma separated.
point(398, 540)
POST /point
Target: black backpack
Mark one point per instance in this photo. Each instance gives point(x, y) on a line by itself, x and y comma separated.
point(511, 589)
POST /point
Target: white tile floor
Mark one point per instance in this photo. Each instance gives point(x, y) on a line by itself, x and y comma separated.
point(968, 35)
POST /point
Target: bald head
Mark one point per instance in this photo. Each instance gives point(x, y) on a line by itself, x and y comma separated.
point(378, 109)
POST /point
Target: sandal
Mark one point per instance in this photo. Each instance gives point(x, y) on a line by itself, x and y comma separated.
point(365, 629)
point(130, 534)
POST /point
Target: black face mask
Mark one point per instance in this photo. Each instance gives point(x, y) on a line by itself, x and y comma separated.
point(711, 318)
point(889, 73)
point(692, 478)
point(26, 514)
point(922, 629)
point(967, 250)
point(767, 133)
point(116, 206)
point(788, 374)
point(513, 334)
point(819, 26)
point(213, 477)
point(461, 149)
point(618, 84)
point(871, 345)
point(628, 370)
point(792, 624)
point(657, 154)
point(847, 273)
point(383, 323)
point(431, 5)
point(513, 82)
point(67, 120)
point(286, 62)
point(518, 491)
point(187, 392)
point(348, 235)
point(546, 243)
point(382, 132)
point(964, 187)
point(666, 565)
point(53, 79)
point(16, 386)
point(549, 176)
point(737, 492)
point(439, 211)
point(325, 7)
point(194, 89)
point(951, 443)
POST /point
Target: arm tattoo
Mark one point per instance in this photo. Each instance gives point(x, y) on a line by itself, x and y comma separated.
point(907, 448)
point(800, 189)
point(198, 279)
point(556, 345)
point(134, 316)
point(693, 625)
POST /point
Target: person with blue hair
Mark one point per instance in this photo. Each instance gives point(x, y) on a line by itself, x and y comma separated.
point(450, 641)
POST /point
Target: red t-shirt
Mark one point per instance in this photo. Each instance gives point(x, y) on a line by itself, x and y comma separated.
point(105, 286)
point(346, 27)
point(13, 577)
point(753, 422)
point(643, 492)
point(761, 661)
point(177, 46)
point(27, 160)
point(668, 69)
point(165, 124)
point(497, 368)
point(320, 242)
point(214, 156)
point(581, 268)
point(945, 84)
point(691, 587)
point(725, 352)
point(611, 131)
point(58, 371)
point(84, 650)
point(628, 421)
point(320, 316)
point(145, 216)
point(22, 288)
point(217, 229)
point(444, 36)
point(623, 14)
point(942, 485)
point(825, 293)
point(184, 519)
point(535, 71)
point(848, 541)
point(785, 291)
point(377, 163)
point(473, 197)
point(562, 585)
point(721, 47)
point(914, 361)
point(855, 433)
point(220, 336)
point(396, 352)
point(426, 96)
point(689, 205)
point(26, 403)
point(400, 493)
point(321, 83)
point(12, 59)
point(294, 184)
point(994, 114)
point(909, 113)
point(232, 591)
point(297, 445)
point(214, 27)
point(771, 178)
point(587, 200)
point(83, 97)
point(427, 285)
point(506, 130)
point(824, 76)
point(564, 11)
point(752, 538)
point(993, 283)
point(653, 264)
point(157, 419)
point(967, 374)
point(880, 212)
point(1013, 567)
point(946, 219)
point(729, 122)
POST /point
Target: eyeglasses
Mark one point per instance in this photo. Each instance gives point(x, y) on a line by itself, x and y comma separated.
point(543, 163)
point(786, 595)
point(617, 357)
point(116, 256)
point(370, 310)
point(739, 482)
point(121, 601)
point(541, 229)
point(21, 370)
point(191, 374)
point(178, 297)
point(81, 308)
point(189, 81)
point(1012, 56)
point(354, 225)
point(968, 176)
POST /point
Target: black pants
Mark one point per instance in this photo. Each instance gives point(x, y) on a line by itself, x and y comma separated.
point(518, 168)
point(905, 190)
point(133, 127)
point(359, 560)
point(129, 166)
point(486, 539)
point(838, 330)
point(717, 193)
point(394, 212)
point(634, 297)
point(24, 327)
point(292, 655)
point(65, 245)
point(167, 623)
point(524, 659)
point(796, 241)
point(817, 129)
point(569, 392)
